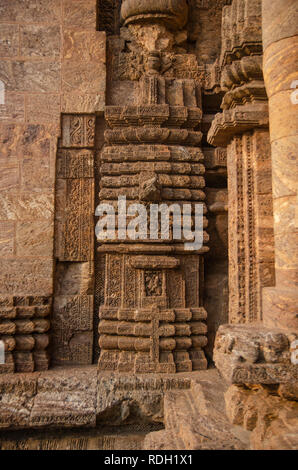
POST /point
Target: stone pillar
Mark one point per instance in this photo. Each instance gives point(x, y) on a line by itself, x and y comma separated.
point(280, 42)
point(152, 319)
point(242, 128)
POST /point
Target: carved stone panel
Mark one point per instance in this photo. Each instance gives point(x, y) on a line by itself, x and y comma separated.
point(74, 242)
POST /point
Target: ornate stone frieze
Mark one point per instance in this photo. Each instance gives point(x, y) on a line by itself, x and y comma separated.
point(241, 30)
point(152, 324)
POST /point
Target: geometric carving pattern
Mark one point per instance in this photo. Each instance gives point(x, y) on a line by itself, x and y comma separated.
point(78, 131)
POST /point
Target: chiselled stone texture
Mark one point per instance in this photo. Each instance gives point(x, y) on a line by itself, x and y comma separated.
point(153, 323)
point(75, 193)
point(24, 329)
point(251, 250)
point(123, 399)
point(243, 128)
point(246, 354)
point(74, 400)
point(94, 106)
point(109, 16)
point(77, 439)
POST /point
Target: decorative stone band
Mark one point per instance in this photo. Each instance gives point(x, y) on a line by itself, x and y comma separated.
point(172, 12)
point(250, 354)
point(237, 121)
point(153, 116)
point(155, 262)
point(79, 397)
point(132, 340)
point(152, 135)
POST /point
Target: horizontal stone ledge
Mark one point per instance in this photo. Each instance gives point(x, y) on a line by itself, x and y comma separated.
point(158, 248)
point(167, 194)
point(145, 315)
point(156, 152)
point(168, 182)
point(248, 44)
point(164, 168)
point(80, 397)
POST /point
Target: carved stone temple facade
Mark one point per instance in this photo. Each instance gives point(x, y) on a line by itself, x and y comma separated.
point(124, 343)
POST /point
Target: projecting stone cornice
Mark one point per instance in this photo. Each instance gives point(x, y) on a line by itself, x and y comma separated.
point(235, 121)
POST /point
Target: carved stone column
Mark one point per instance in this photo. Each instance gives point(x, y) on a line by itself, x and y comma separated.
point(243, 128)
point(280, 38)
point(72, 321)
point(152, 319)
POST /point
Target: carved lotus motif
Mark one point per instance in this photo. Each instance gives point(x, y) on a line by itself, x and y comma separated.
point(172, 12)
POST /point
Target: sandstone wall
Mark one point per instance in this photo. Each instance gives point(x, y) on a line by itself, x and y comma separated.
point(47, 68)
point(52, 62)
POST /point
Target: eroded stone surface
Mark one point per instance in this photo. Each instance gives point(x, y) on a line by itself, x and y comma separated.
point(253, 355)
point(195, 419)
point(272, 420)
